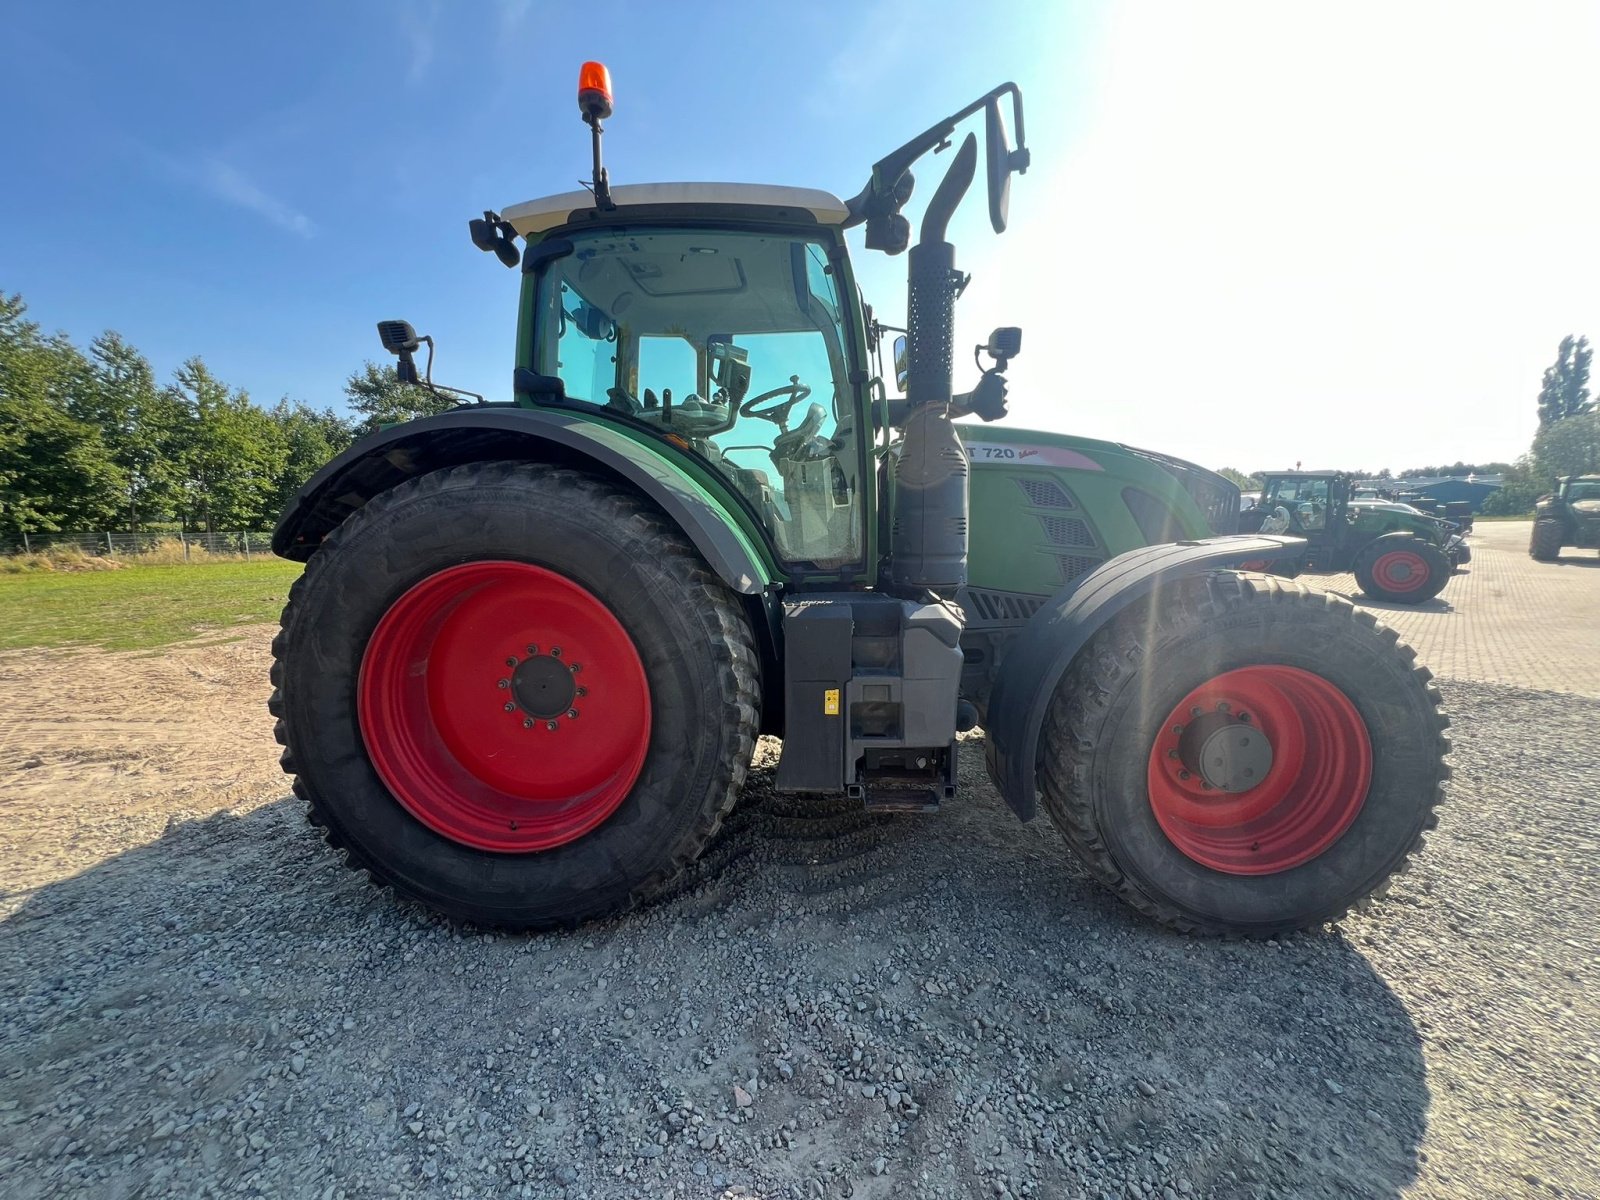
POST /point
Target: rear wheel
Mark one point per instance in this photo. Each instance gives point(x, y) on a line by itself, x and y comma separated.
point(1545, 544)
point(1402, 569)
point(515, 694)
point(1242, 755)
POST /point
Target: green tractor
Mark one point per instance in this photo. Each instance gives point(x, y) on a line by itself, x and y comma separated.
point(1397, 552)
point(1569, 516)
point(523, 674)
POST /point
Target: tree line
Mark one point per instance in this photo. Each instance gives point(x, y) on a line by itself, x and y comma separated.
point(1568, 439)
point(90, 440)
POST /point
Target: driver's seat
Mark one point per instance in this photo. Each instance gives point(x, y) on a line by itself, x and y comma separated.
point(788, 446)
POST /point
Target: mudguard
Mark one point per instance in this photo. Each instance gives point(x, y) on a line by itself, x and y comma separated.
point(1040, 655)
point(495, 431)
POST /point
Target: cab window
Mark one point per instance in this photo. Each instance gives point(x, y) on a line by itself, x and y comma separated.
point(733, 343)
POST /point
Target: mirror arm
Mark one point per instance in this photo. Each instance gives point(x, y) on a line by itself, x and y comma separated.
point(888, 170)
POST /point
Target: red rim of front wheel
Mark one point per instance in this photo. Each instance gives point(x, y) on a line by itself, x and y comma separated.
point(504, 706)
point(1400, 571)
point(1259, 770)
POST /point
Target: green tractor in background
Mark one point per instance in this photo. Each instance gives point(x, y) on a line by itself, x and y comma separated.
point(522, 676)
point(1569, 516)
point(1396, 552)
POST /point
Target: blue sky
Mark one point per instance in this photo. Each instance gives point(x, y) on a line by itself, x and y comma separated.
point(259, 184)
point(1255, 232)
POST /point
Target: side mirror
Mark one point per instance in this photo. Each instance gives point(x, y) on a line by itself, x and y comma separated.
point(1000, 159)
point(902, 364)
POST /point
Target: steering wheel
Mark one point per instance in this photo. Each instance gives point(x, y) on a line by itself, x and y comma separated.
point(779, 412)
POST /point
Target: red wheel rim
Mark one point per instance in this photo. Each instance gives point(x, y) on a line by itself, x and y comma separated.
point(1400, 571)
point(504, 706)
point(1320, 768)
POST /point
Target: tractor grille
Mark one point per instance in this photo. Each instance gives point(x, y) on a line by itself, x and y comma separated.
point(1068, 531)
point(992, 607)
point(1046, 493)
point(1215, 497)
point(1074, 565)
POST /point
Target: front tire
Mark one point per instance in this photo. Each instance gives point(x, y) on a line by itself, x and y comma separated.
point(515, 694)
point(1402, 569)
point(1545, 543)
point(1340, 776)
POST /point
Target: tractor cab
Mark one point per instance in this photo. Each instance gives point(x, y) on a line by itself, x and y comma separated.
point(1314, 505)
point(722, 320)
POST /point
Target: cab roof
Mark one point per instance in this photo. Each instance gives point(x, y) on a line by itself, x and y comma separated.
point(533, 217)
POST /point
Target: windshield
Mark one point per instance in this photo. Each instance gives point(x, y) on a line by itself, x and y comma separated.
point(733, 342)
point(1586, 490)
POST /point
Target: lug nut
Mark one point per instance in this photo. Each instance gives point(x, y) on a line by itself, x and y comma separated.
point(583, 691)
point(1183, 775)
point(555, 651)
point(550, 725)
point(1224, 706)
point(527, 722)
point(503, 684)
point(1195, 711)
point(510, 707)
point(573, 713)
point(1245, 717)
point(575, 667)
point(1177, 730)
point(511, 662)
point(1172, 754)
point(532, 650)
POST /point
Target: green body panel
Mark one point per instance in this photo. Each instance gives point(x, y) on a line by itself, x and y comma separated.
point(1374, 522)
point(1023, 539)
point(660, 457)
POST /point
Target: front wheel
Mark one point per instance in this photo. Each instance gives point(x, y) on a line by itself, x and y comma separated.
point(1545, 543)
point(1243, 755)
point(516, 694)
point(1402, 569)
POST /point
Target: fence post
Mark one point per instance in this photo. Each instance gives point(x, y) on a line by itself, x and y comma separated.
point(182, 538)
point(111, 550)
point(26, 548)
point(245, 538)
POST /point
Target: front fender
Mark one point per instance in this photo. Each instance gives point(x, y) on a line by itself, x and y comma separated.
point(1039, 656)
point(492, 431)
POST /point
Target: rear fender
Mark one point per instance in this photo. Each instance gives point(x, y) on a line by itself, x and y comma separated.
point(1039, 656)
point(489, 432)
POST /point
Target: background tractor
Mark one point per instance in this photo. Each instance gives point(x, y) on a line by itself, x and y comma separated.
point(1569, 516)
point(523, 673)
point(1396, 552)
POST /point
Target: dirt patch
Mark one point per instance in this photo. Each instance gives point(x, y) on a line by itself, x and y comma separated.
point(99, 751)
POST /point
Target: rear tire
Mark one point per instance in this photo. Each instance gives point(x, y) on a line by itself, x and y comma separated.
point(1106, 773)
point(372, 725)
point(1545, 543)
point(1402, 570)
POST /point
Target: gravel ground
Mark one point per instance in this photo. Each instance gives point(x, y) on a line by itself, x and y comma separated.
point(839, 1006)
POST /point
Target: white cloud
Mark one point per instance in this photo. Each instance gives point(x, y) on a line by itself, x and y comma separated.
point(229, 183)
point(1349, 235)
point(417, 22)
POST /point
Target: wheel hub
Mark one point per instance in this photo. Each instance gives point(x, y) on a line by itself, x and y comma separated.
point(543, 686)
point(1259, 769)
point(1235, 758)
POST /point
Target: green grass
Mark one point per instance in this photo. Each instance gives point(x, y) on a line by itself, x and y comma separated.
point(141, 607)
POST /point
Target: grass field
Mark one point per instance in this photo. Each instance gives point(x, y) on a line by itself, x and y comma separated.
point(139, 607)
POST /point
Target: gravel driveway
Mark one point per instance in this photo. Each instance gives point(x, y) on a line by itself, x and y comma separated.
point(199, 999)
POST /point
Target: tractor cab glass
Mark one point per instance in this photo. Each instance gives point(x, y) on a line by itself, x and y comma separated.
point(1304, 503)
point(731, 342)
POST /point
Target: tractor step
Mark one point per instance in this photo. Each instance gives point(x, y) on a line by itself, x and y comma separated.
point(900, 800)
